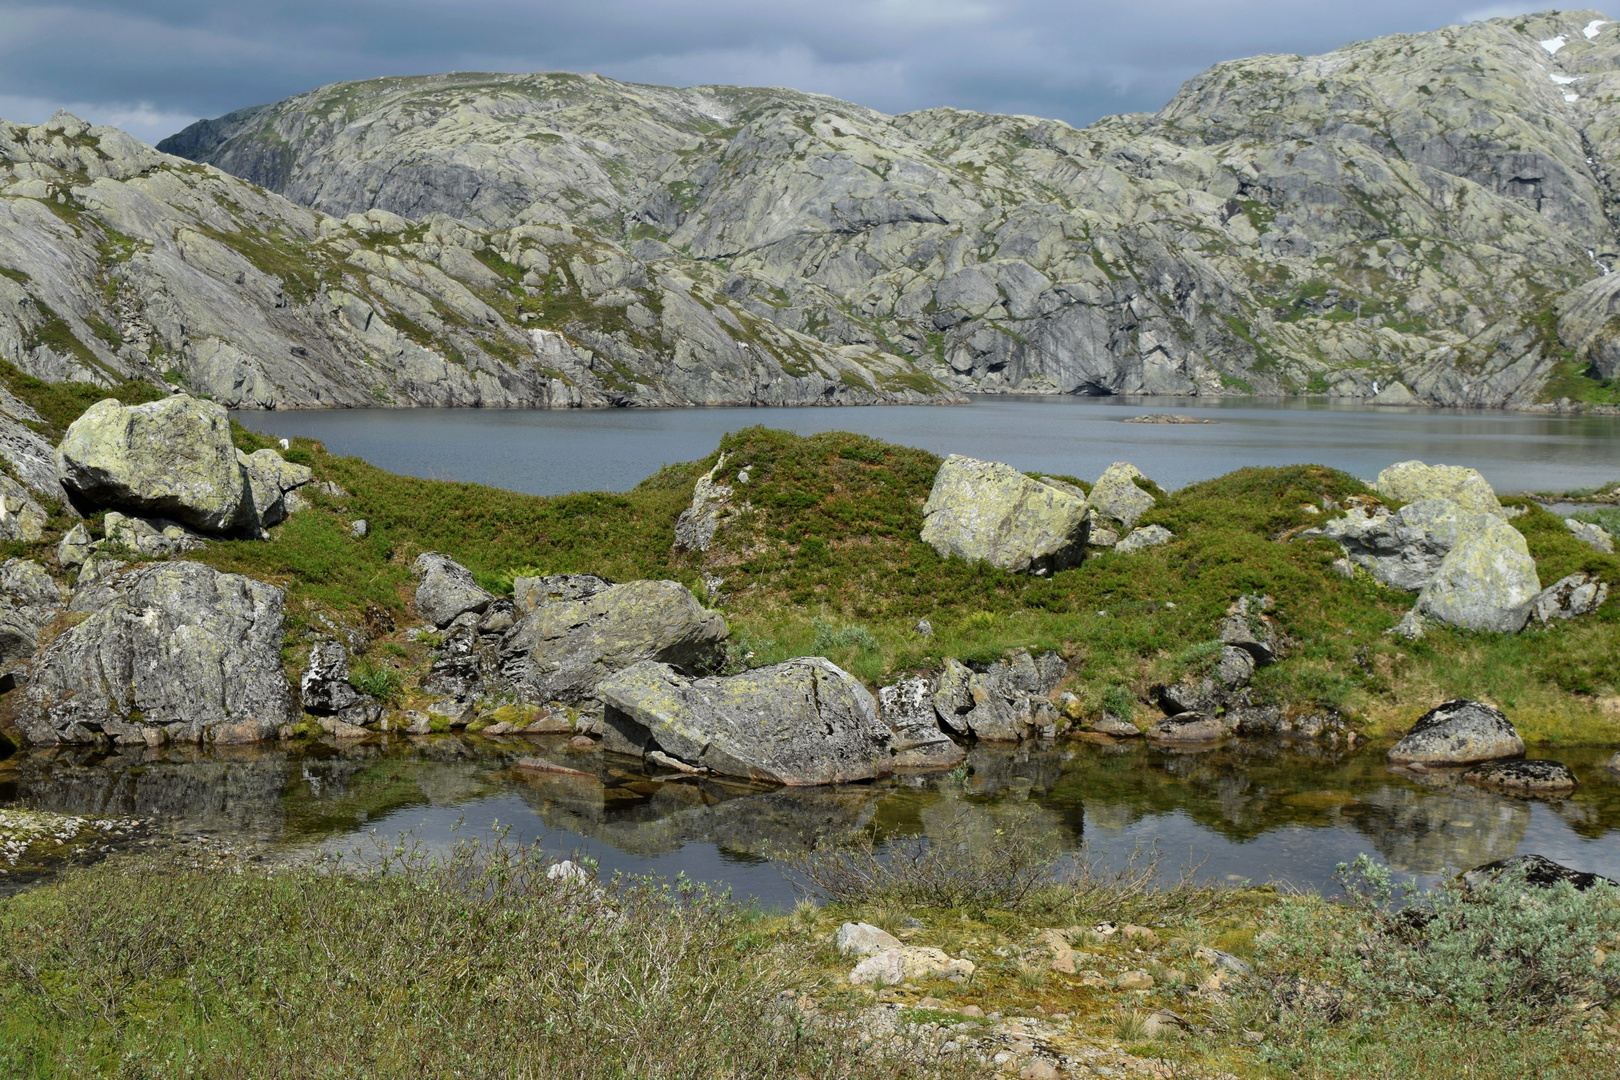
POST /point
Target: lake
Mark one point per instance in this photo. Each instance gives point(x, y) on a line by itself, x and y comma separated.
point(551, 452)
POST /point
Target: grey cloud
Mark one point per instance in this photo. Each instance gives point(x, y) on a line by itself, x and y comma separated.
point(151, 61)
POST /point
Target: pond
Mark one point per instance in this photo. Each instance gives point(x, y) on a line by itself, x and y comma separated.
point(1262, 811)
point(551, 452)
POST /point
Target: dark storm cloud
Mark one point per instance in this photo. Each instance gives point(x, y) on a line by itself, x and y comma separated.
point(153, 65)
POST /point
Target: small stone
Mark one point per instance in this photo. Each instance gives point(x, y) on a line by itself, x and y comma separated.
point(1135, 980)
point(1092, 978)
point(1038, 1069)
point(1530, 777)
point(583, 742)
point(1218, 959)
point(359, 528)
point(930, 1003)
point(1139, 935)
point(1253, 1038)
point(1188, 727)
point(863, 939)
point(972, 1012)
point(924, 628)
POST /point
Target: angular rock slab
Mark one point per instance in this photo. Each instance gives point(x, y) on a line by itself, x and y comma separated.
point(863, 939)
point(1487, 582)
point(1116, 496)
point(711, 501)
point(1524, 777)
point(985, 511)
point(169, 459)
point(1577, 594)
point(447, 589)
point(798, 723)
point(1413, 481)
point(907, 708)
point(1458, 732)
point(176, 651)
point(1403, 549)
point(562, 649)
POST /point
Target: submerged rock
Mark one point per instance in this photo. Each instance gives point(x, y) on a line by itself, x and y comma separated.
point(1487, 582)
point(175, 651)
point(562, 649)
point(172, 459)
point(1577, 594)
point(1413, 481)
point(1527, 776)
point(990, 512)
point(1458, 732)
point(801, 722)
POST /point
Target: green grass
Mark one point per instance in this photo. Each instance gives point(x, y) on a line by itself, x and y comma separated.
point(59, 404)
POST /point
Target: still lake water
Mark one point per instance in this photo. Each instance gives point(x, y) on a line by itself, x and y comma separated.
point(551, 452)
point(1258, 811)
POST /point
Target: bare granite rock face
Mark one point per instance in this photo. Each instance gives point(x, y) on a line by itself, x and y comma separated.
point(1157, 253)
point(176, 651)
point(801, 722)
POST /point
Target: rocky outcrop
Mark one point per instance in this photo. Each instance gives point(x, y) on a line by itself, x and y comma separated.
point(1577, 594)
point(446, 590)
point(799, 723)
point(985, 511)
point(325, 691)
point(177, 651)
point(271, 481)
point(1487, 582)
point(29, 600)
point(1413, 481)
point(563, 649)
point(907, 708)
point(1527, 777)
point(1458, 732)
point(1001, 702)
point(147, 538)
point(1537, 870)
point(170, 459)
point(711, 501)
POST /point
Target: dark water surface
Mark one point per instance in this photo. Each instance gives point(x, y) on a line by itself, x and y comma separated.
point(1259, 811)
point(550, 452)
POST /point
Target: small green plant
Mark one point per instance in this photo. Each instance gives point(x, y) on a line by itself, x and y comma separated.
point(1120, 702)
point(850, 636)
point(378, 679)
point(1132, 1028)
point(1032, 978)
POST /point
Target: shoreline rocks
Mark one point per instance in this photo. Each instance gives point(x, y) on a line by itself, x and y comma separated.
point(1458, 732)
point(1524, 776)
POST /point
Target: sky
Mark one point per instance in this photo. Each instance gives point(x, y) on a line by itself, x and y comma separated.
point(154, 66)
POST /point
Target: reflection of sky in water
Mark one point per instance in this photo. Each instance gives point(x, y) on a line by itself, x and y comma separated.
point(1251, 811)
point(551, 451)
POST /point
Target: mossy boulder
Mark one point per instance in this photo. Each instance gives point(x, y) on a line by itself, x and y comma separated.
point(169, 459)
point(802, 722)
point(985, 511)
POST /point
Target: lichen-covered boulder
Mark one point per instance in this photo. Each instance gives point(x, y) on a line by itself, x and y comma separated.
point(74, 547)
point(1458, 732)
point(990, 512)
point(446, 589)
point(1116, 496)
point(1487, 582)
point(562, 649)
point(270, 480)
point(174, 651)
point(170, 459)
point(149, 537)
point(1145, 537)
point(907, 708)
point(1577, 594)
point(1402, 549)
point(1524, 777)
point(801, 722)
point(529, 593)
point(1413, 481)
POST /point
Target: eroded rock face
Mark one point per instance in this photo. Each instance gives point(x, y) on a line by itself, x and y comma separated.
point(907, 708)
point(1458, 732)
point(1487, 582)
point(990, 512)
point(174, 651)
point(562, 649)
point(799, 723)
point(446, 589)
point(1413, 481)
point(168, 459)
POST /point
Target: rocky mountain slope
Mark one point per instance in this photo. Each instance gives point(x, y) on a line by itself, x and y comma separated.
point(119, 262)
point(1398, 217)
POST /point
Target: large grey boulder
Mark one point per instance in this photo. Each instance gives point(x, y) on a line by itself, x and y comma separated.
point(1487, 582)
point(1413, 481)
point(562, 649)
point(1402, 549)
point(175, 651)
point(1458, 732)
point(1577, 594)
point(907, 707)
point(990, 512)
point(801, 722)
point(446, 589)
point(1116, 496)
point(168, 459)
